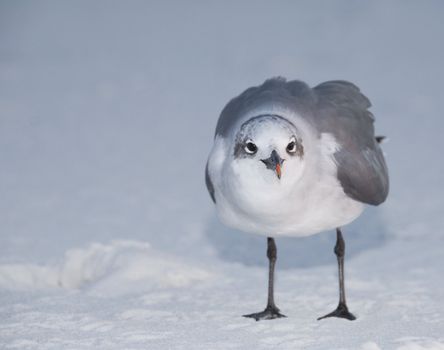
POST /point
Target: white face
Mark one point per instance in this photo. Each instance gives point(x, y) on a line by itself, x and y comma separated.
point(268, 155)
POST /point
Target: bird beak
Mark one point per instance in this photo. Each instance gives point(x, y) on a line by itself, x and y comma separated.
point(274, 163)
point(278, 171)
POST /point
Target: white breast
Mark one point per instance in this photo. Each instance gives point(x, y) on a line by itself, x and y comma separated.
point(315, 203)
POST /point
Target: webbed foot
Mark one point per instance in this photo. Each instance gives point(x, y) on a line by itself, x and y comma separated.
point(341, 312)
point(269, 313)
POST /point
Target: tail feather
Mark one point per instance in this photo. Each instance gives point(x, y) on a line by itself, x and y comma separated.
point(380, 139)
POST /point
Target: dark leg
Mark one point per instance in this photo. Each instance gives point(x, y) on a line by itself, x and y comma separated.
point(271, 311)
point(341, 310)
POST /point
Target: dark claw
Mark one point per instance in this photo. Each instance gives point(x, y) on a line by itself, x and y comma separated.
point(342, 312)
point(269, 313)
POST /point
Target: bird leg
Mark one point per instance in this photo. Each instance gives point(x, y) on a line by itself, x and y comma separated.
point(341, 310)
point(271, 311)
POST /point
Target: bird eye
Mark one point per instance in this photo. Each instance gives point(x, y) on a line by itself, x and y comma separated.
point(291, 147)
point(250, 147)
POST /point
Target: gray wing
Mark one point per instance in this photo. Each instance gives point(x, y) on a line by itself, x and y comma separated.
point(342, 110)
point(209, 184)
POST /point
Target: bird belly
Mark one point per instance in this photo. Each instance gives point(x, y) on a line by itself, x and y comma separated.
point(304, 211)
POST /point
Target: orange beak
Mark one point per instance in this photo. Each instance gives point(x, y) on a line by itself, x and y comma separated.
point(278, 171)
point(274, 162)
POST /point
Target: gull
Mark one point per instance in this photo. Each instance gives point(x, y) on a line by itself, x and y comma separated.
point(291, 160)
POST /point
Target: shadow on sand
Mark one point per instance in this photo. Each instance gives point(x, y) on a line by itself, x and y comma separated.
point(365, 233)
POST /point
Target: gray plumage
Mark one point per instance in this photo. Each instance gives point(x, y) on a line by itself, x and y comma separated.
point(343, 111)
point(335, 107)
point(209, 184)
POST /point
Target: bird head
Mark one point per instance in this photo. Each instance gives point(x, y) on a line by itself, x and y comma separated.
point(269, 147)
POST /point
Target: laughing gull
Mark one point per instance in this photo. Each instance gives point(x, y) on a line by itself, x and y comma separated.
point(290, 160)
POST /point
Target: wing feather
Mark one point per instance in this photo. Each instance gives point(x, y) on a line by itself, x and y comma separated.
point(342, 110)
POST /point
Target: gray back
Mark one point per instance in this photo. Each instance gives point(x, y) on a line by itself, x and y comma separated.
point(277, 91)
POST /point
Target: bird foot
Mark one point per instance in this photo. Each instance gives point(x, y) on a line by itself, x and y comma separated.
point(270, 313)
point(341, 312)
